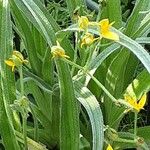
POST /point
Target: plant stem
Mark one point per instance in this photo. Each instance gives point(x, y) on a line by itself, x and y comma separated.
point(125, 140)
point(85, 56)
point(75, 54)
point(135, 125)
point(92, 50)
point(94, 79)
point(99, 84)
point(73, 64)
point(21, 82)
point(24, 115)
point(103, 88)
point(35, 126)
point(99, 13)
point(25, 131)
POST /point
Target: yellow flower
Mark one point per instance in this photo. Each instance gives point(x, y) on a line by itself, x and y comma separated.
point(109, 147)
point(133, 102)
point(58, 51)
point(83, 23)
point(16, 60)
point(105, 30)
point(87, 39)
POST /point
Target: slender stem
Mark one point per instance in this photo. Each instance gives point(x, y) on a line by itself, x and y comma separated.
point(21, 81)
point(135, 125)
point(76, 52)
point(25, 131)
point(99, 13)
point(103, 88)
point(35, 127)
point(24, 115)
point(94, 79)
point(85, 56)
point(98, 83)
point(91, 53)
point(125, 140)
point(73, 64)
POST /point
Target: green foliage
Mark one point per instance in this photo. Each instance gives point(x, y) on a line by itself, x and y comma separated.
point(78, 102)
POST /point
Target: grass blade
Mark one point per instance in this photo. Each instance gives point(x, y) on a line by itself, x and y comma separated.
point(115, 7)
point(6, 95)
point(140, 84)
point(88, 100)
point(69, 117)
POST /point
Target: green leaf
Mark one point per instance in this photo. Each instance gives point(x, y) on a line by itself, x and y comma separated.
point(102, 56)
point(139, 85)
point(7, 89)
point(38, 19)
point(88, 100)
point(144, 132)
point(143, 40)
point(136, 48)
point(136, 17)
point(75, 5)
point(40, 98)
point(144, 26)
point(45, 122)
point(115, 7)
point(24, 31)
point(69, 115)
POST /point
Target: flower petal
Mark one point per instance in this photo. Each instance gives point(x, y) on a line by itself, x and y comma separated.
point(110, 35)
point(58, 51)
point(10, 63)
point(104, 23)
point(109, 147)
point(142, 101)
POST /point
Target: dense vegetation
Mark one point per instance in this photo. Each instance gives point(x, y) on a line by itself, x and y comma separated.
point(75, 74)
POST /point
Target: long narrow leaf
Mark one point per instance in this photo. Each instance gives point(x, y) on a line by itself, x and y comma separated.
point(69, 117)
point(88, 100)
point(6, 95)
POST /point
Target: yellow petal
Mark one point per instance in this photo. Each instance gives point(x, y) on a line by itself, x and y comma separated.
point(58, 51)
point(105, 30)
point(104, 23)
point(109, 147)
point(65, 56)
point(9, 63)
point(132, 101)
point(142, 101)
point(110, 35)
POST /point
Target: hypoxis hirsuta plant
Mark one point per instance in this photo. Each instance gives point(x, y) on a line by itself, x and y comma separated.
point(50, 88)
point(21, 104)
point(87, 40)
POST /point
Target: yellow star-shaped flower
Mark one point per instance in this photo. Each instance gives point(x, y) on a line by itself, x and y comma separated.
point(58, 51)
point(133, 102)
point(105, 30)
point(16, 60)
